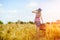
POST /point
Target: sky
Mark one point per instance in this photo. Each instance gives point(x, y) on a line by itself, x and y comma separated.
point(14, 10)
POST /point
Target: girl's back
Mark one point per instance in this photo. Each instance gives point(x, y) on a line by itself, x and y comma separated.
point(37, 18)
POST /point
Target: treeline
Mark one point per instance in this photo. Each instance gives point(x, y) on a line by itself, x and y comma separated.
point(18, 22)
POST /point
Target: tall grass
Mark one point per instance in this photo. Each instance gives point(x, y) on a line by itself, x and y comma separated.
point(28, 32)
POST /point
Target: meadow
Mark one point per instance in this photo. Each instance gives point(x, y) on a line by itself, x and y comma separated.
point(28, 32)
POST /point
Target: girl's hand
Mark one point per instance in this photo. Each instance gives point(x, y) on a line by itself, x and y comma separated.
point(35, 11)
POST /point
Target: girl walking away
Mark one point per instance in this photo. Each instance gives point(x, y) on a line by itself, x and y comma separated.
point(38, 19)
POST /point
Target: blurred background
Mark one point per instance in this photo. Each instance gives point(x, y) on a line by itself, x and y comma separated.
point(13, 10)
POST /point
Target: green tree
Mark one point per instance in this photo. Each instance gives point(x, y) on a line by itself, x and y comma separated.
point(1, 22)
point(20, 22)
point(10, 22)
point(31, 22)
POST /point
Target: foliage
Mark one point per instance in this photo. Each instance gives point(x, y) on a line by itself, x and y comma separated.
point(10, 22)
point(20, 22)
point(1, 22)
point(31, 22)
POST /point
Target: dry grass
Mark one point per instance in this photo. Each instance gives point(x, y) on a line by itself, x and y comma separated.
point(28, 32)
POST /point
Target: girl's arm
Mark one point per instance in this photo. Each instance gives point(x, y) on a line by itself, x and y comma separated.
point(41, 19)
point(35, 11)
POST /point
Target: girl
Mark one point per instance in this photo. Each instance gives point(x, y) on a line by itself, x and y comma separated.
point(38, 18)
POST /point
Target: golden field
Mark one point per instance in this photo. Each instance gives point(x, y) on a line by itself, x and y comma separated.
point(28, 32)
